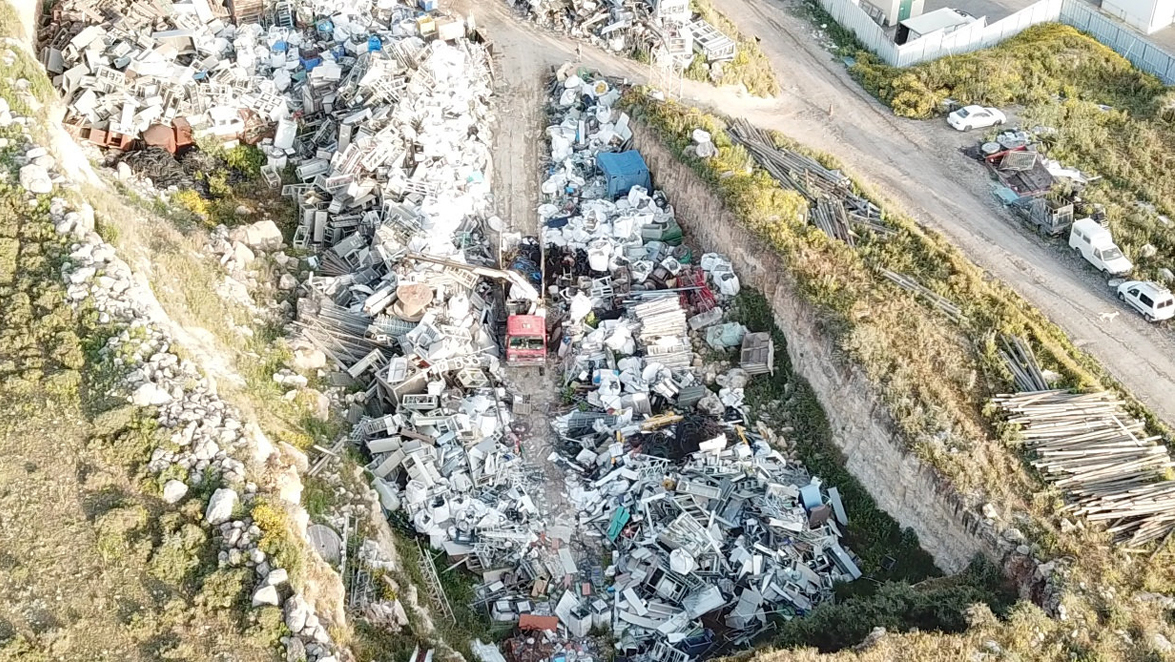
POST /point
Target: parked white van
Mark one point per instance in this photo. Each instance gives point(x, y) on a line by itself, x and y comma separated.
point(1097, 246)
point(1154, 301)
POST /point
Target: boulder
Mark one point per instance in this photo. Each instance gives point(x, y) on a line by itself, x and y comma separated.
point(295, 650)
point(277, 577)
point(297, 611)
point(319, 404)
point(150, 395)
point(174, 490)
point(221, 506)
point(309, 359)
point(266, 595)
point(242, 254)
point(287, 282)
point(35, 179)
point(85, 220)
point(262, 235)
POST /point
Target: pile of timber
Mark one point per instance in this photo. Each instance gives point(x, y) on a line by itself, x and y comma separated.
point(1089, 446)
point(830, 192)
point(1021, 362)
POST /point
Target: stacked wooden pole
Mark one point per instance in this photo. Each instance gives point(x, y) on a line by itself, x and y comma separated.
point(947, 306)
point(1087, 444)
point(835, 208)
point(1022, 364)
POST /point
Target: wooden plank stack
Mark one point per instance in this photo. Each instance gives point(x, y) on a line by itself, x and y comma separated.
point(1088, 445)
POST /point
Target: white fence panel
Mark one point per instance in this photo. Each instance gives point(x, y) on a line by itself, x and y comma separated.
point(849, 15)
point(1128, 44)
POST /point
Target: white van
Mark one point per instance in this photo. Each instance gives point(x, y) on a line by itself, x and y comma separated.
point(1097, 246)
point(1151, 299)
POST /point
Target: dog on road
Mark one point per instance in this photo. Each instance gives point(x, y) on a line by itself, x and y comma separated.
point(1109, 317)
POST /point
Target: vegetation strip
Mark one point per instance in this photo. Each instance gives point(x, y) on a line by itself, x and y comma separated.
point(933, 373)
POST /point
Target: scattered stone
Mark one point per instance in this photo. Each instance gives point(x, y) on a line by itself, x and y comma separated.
point(242, 254)
point(309, 359)
point(1014, 536)
point(287, 282)
point(295, 650)
point(266, 595)
point(297, 611)
point(221, 506)
point(277, 577)
point(319, 404)
point(990, 511)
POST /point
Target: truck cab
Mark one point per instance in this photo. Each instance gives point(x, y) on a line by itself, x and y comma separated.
point(1097, 246)
point(526, 340)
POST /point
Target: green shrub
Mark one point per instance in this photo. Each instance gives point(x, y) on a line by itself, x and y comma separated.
point(176, 559)
point(117, 531)
point(226, 588)
point(277, 537)
point(267, 627)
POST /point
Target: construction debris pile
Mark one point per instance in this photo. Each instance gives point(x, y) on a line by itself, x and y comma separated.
point(163, 73)
point(658, 28)
point(710, 530)
point(1088, 445)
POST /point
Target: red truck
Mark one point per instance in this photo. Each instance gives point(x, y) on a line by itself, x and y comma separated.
point(526, 340)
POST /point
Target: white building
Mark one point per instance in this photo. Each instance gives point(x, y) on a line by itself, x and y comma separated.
point(1148, 16)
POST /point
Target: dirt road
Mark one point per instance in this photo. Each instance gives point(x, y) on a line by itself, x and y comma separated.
point(914, 164)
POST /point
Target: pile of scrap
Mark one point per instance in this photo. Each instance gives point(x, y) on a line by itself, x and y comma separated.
point(162, 74)
point(710, 530)
point(835, 208)
point(1097, 453)
point(650, 26)
point(1020, 169)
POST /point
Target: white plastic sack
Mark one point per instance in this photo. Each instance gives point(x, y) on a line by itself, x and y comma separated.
point(681, 562)
point(580, 306)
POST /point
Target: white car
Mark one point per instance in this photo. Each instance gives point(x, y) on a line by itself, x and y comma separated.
point(1151, 299)
point(975, 117)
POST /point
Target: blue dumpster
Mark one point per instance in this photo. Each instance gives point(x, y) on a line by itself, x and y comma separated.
point(624, 170)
